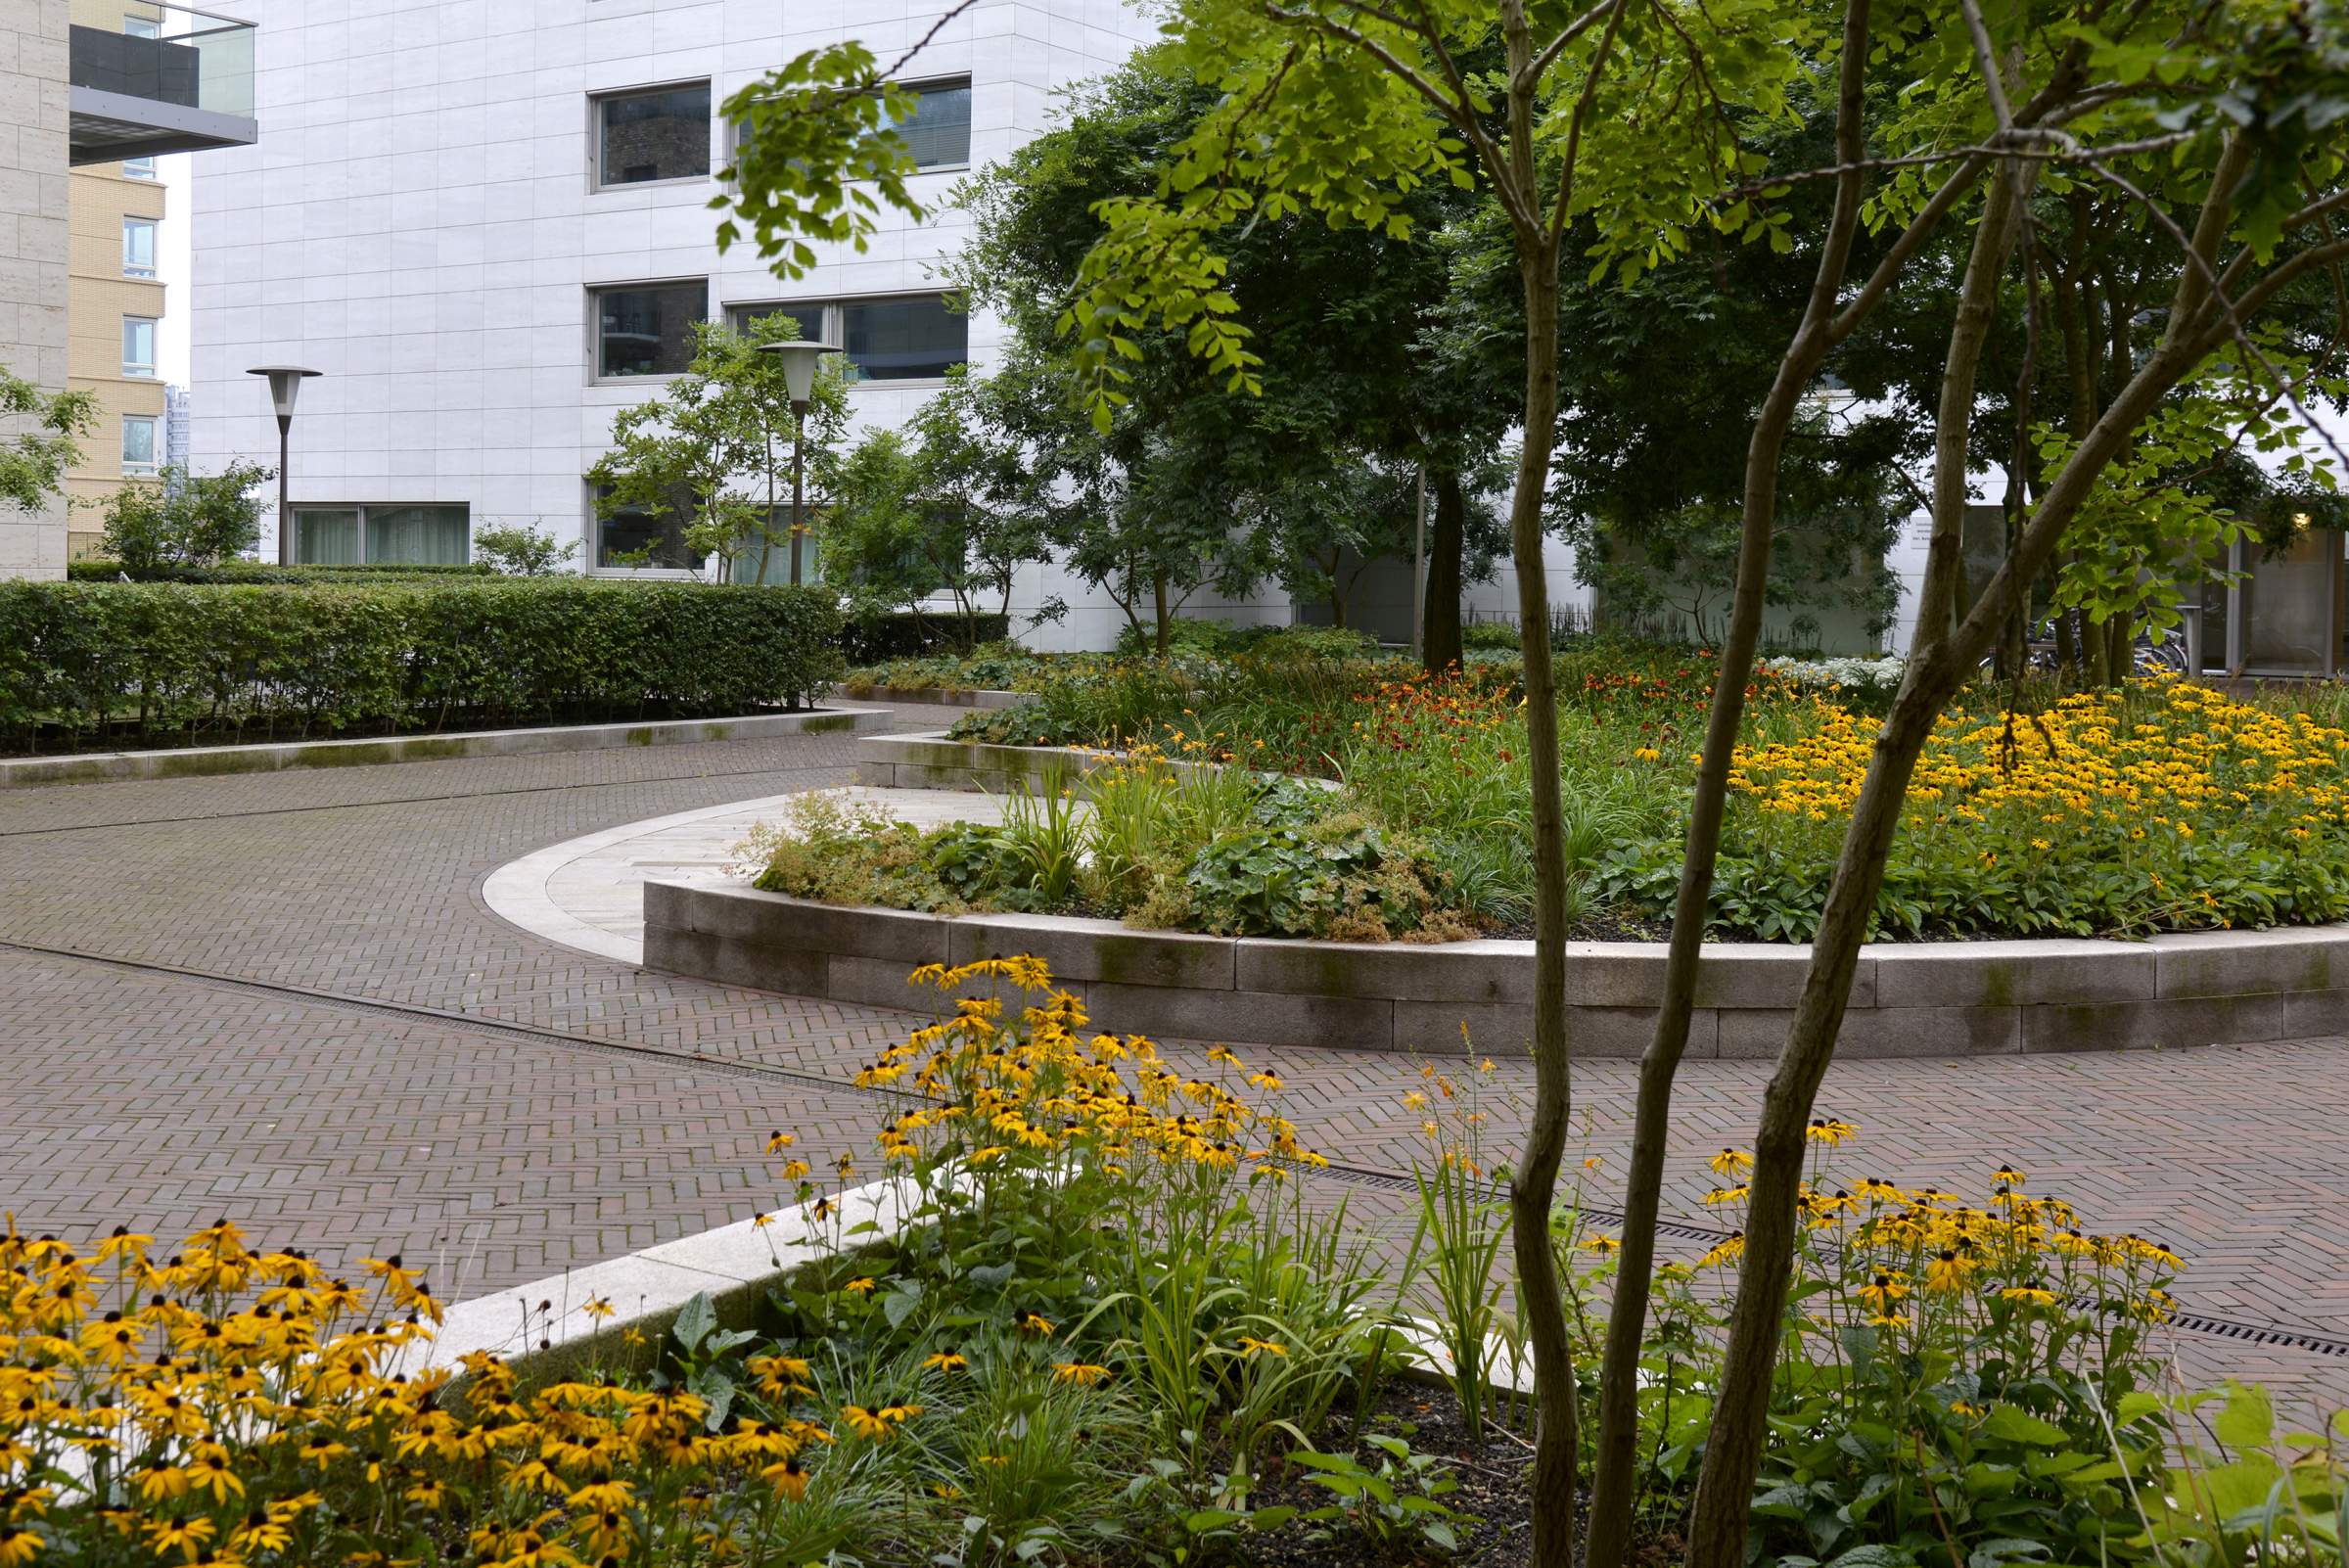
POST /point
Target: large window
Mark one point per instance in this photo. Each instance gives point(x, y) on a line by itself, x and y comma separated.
point(138, 247)
point(138, 444)
point(629, 536)
point(138, 345)
point(647, 329)
point(812, 318)
point(903, 340)
point(908, 338)
point(939, 130)
point(381, 536)
point(662, 133)
point(139, 168)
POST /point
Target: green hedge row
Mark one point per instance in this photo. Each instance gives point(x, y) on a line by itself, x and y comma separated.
point(118, 661)
point(105, 570)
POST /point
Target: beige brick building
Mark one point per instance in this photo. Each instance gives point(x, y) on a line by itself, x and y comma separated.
point(114, 312)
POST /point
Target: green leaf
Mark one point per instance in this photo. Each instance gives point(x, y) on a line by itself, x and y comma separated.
point(694, 1322)
point(2011, 1424)
point(2248, 1420)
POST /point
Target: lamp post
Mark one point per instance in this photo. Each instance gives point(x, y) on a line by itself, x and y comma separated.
point(798, 357)
point(284, 382)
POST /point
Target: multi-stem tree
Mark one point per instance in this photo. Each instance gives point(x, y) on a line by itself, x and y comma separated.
point(1618, 122)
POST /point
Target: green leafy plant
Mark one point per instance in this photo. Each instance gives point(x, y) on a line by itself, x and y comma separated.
point(185, 519)
point(523, 550)
point(1394, 1503)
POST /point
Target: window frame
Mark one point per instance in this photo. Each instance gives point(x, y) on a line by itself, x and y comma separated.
point(922, 84)
point(593, 541)
point(594, 323)
point(836, 326)
point(964, 80)
point(154, 228)
point(362, 509)
point(130, 370)
point(141, 169)
point(711, 164)
point(154, 464)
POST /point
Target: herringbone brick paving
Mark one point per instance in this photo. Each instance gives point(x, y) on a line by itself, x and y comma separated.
point(167, 1102)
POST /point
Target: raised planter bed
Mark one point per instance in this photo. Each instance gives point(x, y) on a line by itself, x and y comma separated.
point(1908, 999)
point(940, 696)
point(1981, 998)
point(932, 762)
point(96, 767)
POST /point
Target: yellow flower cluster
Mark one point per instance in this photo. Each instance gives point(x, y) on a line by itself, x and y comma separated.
point(1917, 1262)
point(2158, 757)
point(998, 1096)
point(225, 1407)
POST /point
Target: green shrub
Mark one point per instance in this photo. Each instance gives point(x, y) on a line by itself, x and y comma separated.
point(141, 660)
point(913, 634)
point(1184, 635)
point(187, 520)
point(104, 569)
point(1490, 636)
point(1338, 878)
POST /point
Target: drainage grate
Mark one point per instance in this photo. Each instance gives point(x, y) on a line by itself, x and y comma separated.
point(2271, 1334)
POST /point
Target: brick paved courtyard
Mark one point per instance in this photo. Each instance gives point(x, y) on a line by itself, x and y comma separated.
point(520, 1107)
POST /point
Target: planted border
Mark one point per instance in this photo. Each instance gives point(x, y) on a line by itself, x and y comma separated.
point(1908, 999)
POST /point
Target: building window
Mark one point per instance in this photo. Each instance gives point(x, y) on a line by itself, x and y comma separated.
point(903, 340)
point(630, 536)
point(139, 168)
point(810, 318)
point(912, 338)
point(138, 247)
point(939, 130)
point(647, 329)
point(138, 345)
point(138, 444)
point(660, 134)
point(381, 536)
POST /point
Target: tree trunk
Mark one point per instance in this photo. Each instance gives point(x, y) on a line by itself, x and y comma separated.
point(1158, 600)
point(1615, 1480)
point(1617, 1477)
point(1725, 1490)
point(1532, 1184)
point(1440, 621)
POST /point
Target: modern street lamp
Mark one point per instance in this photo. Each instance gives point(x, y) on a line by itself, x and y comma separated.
point(798, 357)
point(285, 382)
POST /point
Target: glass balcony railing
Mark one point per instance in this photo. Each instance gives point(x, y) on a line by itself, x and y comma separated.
point(168, 54)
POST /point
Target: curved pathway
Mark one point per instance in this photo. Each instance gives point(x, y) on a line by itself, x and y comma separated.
point(284, 1000)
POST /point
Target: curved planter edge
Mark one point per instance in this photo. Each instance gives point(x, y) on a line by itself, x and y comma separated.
point(1921, 999)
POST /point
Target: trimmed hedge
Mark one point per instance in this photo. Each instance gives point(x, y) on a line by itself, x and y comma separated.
point(85, 661)
point(103, 571)
point(913, 634)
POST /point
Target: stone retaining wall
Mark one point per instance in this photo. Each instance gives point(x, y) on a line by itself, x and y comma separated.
point(1907, 1000)
point(935, 762)
point(940, 696)
point(96, 767)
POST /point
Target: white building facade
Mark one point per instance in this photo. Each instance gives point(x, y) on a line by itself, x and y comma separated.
point(488, 226)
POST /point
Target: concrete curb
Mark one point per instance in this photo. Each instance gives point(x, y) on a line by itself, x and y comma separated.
point(1921, 999)
point(932, 762)
point(546, 1322)
point(97, 768)
point(941, 696)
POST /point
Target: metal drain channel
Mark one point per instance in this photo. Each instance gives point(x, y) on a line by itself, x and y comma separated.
point(2203, 1323)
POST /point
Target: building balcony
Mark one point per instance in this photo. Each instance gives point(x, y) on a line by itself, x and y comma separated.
point(161, 78)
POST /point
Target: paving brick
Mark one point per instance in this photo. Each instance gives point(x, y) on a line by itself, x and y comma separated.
point(167, 1102)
